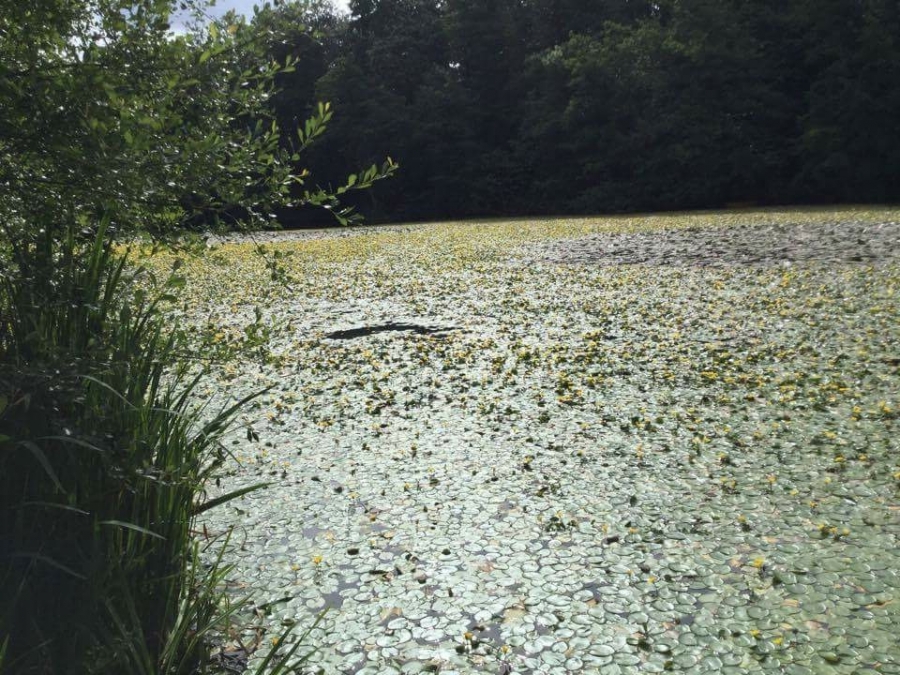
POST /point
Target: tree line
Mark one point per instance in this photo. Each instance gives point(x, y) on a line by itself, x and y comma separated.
point(515, 107)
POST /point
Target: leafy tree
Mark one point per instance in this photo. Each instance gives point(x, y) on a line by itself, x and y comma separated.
point(554, 106)
point(488, 45)
point(394, 54)
point(302, 33)
point(849, 137)
point(111, 126)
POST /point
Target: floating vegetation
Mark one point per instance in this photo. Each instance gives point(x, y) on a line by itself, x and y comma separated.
point(661, 444)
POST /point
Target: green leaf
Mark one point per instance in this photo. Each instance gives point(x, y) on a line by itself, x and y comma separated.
point(71, 440)
point(132, 526)
point(39, 455)
point(49, 561)
point(176, 281)
point(53, 505)
point(213, 503)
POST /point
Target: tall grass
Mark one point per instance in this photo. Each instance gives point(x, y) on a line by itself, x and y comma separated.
point(103, 459)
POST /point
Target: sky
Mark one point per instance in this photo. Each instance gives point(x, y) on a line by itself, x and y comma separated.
point(246, 6)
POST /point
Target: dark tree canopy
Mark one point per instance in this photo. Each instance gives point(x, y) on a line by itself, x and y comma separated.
point(564, 106)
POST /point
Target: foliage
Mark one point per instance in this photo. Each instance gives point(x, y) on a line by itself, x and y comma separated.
point(102, 459)
point(111, 125)
point(555, 106)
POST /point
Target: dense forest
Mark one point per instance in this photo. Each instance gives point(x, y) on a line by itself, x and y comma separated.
point(566, 106)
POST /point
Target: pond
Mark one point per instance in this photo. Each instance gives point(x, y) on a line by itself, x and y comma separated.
point(619, 445)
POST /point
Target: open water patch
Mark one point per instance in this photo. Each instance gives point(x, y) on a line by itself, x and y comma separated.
point(389, 327)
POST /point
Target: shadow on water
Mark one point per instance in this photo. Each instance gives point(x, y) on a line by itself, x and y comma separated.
point(390, 327)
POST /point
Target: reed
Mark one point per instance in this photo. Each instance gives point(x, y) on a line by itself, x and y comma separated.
point(104, 454)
